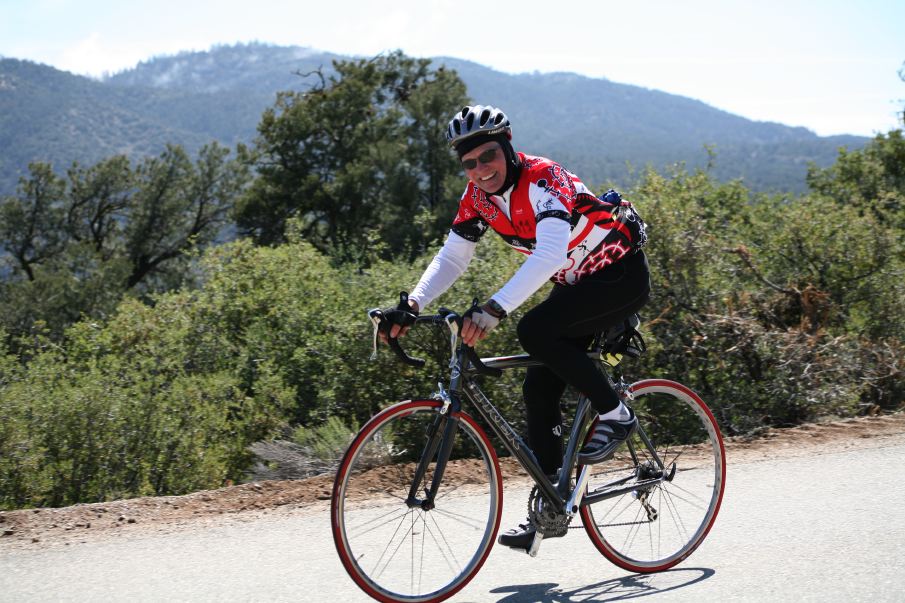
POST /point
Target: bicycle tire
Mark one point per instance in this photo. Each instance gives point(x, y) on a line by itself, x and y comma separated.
point(678, 513)
point(397, 553)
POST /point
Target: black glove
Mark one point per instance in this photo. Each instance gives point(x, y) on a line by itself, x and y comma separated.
point(403, 314)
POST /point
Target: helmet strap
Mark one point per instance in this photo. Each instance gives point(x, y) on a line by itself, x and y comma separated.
point(513, 165)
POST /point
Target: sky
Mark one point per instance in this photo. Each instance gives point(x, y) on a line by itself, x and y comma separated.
point(828, 65)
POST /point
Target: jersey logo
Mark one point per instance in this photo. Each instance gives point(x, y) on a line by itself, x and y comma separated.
point(545, 204)
point(603, 257)
point(550, 190)
point(561, 178)
point(488, 210)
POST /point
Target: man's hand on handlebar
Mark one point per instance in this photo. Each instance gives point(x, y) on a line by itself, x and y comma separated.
point(478, 321)
point(400, 319)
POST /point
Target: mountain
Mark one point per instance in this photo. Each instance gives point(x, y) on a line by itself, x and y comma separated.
point(600, 129)
point(52, 115)
point(595, 126)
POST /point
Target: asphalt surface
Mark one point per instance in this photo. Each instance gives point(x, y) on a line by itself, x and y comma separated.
point(826, 527)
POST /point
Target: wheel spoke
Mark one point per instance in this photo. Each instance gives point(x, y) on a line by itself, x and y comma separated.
point(390, 543)
point(676, 516)
point(626, 507)
point(379, 522)
point(698, 505)
point(475, 524)
point(633, 529)
point(445, 547)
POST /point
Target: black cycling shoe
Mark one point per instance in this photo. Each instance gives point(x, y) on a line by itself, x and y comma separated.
point(605, 438)
point(522, 537)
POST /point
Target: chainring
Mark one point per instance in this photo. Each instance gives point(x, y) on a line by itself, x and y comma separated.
point(547, 521)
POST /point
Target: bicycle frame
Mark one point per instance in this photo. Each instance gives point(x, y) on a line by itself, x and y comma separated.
point(463, 367)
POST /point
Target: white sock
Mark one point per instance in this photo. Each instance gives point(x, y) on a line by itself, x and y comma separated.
point(620, 413)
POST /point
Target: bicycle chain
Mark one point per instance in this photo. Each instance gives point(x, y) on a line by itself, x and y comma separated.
point(652, 513)
point(618, 525)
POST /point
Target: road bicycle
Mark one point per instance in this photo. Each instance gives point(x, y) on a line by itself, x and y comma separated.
point(418, 495)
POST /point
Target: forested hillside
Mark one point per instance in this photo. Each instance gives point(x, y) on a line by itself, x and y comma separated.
point(603, 130)
point(53, 116)
point(141, 355)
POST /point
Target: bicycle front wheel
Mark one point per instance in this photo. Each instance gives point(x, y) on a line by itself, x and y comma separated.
point(648, 515)
point(392, 545)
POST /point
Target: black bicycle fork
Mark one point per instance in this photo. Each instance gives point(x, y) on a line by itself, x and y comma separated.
point(448, 424)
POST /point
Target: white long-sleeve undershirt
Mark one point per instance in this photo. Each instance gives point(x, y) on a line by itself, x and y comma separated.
point(447, 266)
point(549, 255)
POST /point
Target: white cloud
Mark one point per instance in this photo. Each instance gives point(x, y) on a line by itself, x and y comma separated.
point(88, 57)
point(94, 56)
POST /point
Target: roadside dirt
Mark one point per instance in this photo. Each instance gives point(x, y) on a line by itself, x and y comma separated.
point(39, 528)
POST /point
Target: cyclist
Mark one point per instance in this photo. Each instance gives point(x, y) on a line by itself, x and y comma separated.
point(589, 247)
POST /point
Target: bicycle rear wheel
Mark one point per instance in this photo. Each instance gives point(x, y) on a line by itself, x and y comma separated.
point(659, 523)
point(399, 551)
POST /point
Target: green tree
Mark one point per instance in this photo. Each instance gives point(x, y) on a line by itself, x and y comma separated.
point(178, 206)
point(871, 179)
point(168, 397)
point(73, 246)
point(98, 197)
point(359, 160)
point(32, 224)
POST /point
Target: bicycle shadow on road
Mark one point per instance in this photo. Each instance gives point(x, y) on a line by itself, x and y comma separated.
point(618, 589)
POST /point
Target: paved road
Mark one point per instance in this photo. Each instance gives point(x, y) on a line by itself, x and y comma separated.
point(822, 528)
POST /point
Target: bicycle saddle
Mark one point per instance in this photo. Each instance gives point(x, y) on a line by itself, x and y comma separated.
point(624, 338)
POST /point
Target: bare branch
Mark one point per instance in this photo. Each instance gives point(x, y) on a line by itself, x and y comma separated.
point(742, 252)
point(319, 72)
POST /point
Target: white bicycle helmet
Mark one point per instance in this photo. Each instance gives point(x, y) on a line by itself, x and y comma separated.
point(477, 120)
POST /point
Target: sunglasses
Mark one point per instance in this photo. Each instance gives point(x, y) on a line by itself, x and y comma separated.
point(485, 158)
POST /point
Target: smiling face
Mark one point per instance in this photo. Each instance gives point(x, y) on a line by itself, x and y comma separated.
point(488, 174)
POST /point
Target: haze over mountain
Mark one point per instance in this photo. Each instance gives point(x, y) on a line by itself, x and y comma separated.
point(602, 130)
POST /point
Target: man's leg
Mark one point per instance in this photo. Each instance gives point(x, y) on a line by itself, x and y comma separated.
point(542, 390)
point(548, 331)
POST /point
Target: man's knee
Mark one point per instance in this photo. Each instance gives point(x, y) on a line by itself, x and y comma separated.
point(531, 333)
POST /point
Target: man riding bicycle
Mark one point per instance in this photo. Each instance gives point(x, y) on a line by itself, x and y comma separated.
point(589, 247)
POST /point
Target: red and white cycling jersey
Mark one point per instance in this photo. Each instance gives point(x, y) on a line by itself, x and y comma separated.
point(603, 230)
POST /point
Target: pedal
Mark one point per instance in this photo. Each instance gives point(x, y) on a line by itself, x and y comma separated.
point(535, 544)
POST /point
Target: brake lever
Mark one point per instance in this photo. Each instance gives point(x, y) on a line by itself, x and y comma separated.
point(377, 319)
point(376, 316)
point(453, 321)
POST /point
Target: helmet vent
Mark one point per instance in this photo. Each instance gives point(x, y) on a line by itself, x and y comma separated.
point(478, 120)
